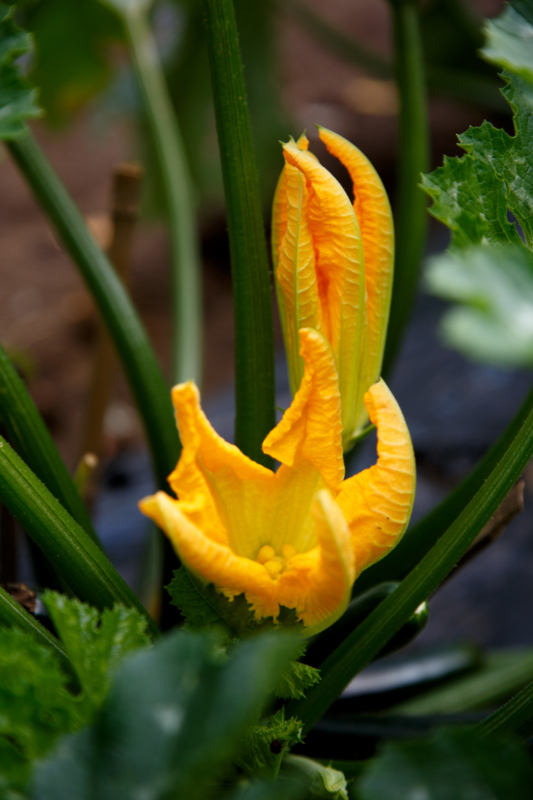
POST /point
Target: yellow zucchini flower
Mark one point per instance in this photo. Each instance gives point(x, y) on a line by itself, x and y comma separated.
point(333, 264)
point(297, 537)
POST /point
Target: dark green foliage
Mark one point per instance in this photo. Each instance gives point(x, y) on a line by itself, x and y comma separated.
point(175, 717)
point(262, 748)
point(35, 705)
point(95, 644)
point(18, 99)
point(80, 35)
point(456, 764)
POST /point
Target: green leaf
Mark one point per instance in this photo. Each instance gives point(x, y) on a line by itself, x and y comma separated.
point(174, 719)
point(13, 615)
point(452, 764)
point(30, 438)
point(18, 99)
point(35, 706)
point(70, 550)
point(95, 643)
point(295, 679)
point(508, 39)
point(254, 337)
point(326, 783)
point(80, 35)
point(494, 322)
point(472, 194)
point(262, 749)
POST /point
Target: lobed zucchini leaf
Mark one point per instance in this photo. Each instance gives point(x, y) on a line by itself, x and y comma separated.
point(485, 197)
point(18, 98)
point(95, 643)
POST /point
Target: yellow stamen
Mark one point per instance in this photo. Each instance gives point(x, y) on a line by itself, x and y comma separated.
point(289, 551)
point(265, 554)
point(273, 567)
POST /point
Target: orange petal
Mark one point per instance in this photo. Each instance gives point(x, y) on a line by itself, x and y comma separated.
point(230, 484)
point(340, 273)
point(378, 502)
point(318, 583)
point(210, 561)
point(311, 426)
point(296, 274)
point(279, 207)
point(374, 215)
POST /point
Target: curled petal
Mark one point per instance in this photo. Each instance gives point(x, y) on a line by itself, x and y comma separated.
point(318, 583)
point(340, 273)
point(377, 502)
point(236, 491)
point(210, 561)
point(311, 427)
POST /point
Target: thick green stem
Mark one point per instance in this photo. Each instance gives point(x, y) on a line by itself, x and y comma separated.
point(75, 556)
point(515, 717)
point(369, 638)
point(252, 299)
point(124, 326)
point(413, 153)
point(30, 438)
point(166, 135)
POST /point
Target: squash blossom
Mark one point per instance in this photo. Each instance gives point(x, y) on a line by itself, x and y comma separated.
point(300, 536)
point(333, 264)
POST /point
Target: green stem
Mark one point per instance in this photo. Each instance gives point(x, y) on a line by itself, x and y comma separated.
point(177, 184)
point(13, 615)
point(30, 438)
point(73, 554)
point(413, 148)
point(369, 638)
point(422, 536)
point(254, 338)
point(514, 717)
point(125, 328)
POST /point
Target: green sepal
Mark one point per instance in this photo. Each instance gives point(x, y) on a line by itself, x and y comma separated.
point(326, 783)
point(264, 745)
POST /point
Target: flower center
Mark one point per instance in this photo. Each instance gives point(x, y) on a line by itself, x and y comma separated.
point(275, 564)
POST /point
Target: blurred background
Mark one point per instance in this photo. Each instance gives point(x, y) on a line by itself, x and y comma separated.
point(305, 62)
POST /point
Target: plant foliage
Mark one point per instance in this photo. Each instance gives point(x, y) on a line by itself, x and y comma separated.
point(18, 99)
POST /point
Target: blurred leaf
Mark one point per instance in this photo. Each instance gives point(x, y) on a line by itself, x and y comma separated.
point(175, 716)
point(18, 98)
point(325, 782)
point(454, 763)
point(95, 643)
point(504, 673)
point(295, 679)
point(508, 39)
point(262, 749)
point(494, 322)
point(72, 60)
point(35, 706)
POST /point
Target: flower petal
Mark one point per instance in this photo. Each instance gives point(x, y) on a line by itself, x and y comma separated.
point(311, 426)
point(210, 561)
point(218, 472)
point(318, 583)
point(373, 212)
point(377, 502)
point(340, 273)
point(296, 274)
